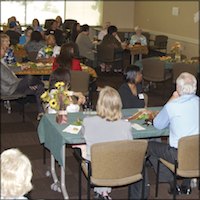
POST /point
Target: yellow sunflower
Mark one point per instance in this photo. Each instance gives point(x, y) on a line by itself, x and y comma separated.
point(59, 84)
point(45, 96)
point(53, 103)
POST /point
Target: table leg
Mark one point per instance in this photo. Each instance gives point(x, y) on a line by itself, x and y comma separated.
point(63, 185)
point(132, 59)
point(140, 57)
point(56, 183)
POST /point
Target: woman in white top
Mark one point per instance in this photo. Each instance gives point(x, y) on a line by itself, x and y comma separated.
point(138, 38)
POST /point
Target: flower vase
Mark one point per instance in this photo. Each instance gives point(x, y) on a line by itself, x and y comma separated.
point(178, 57)
point(61, 117)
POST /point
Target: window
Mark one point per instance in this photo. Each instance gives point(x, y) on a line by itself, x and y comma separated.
point(25, 11)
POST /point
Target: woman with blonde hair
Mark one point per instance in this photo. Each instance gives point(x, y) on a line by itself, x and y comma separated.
point(16, 174)
point(106, 126)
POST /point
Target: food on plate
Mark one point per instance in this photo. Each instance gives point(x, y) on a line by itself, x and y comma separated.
point(143, 114)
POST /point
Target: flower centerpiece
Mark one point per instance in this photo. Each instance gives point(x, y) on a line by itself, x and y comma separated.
point(58, 100)
point(48, 51)
point(176, 49)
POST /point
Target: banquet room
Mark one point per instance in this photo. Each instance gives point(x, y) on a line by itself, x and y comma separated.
point(100, 99)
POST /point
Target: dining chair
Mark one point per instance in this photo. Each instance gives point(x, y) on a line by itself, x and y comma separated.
point(160, 43)
point(113, 164)
point(106, 54)
point(187, 163)
point(80, 82)
point(19, 98)
point(154, 72)
point(178, 68)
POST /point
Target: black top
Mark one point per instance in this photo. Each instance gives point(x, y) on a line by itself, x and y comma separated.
point(59, 36)
point(14, 36)
point(128, 99)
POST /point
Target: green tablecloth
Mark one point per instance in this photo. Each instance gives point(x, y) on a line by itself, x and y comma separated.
point(51, 134)
point(168, 64)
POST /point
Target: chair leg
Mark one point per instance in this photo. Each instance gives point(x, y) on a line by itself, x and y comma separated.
point(157, 177)
point(129, 192)
point(88, 188)
point(143, 182)
point(175, 181)
point(80, 182)
point(44, 155)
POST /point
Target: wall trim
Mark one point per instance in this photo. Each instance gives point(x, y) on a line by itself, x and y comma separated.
point(174, 37)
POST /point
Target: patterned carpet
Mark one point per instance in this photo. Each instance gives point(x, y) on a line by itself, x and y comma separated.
point(23, 135)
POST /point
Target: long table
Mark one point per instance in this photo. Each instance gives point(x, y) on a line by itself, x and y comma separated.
point(52, 136)
point(168, 64)
point(46, 69)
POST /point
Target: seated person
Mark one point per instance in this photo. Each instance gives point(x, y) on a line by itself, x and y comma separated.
point(13, 34)
point(16, 174)
point(63, 75)
point(57, 32)
point(66, 58)
point(76, 29)
point(29, 85)
point(26, 36)
point(104, 32)
point(181, 115)
point(36, 26)
point(111, 41)
point(9, 57)
point(85, 45)
point(131, 92)
point(13, 19)
point(49, 51)
point(107, 126)
point(36, 42)
point(138, 38)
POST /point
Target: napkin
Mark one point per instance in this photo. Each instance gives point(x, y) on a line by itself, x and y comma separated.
point(137, 127)
point(73, 129)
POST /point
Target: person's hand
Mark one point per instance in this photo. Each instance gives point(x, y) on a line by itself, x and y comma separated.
point(24, 66)
point(81, 98)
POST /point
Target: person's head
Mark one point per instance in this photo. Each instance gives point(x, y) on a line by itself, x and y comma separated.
point(5, 40)
point(16, 174)
point(112, 30)
point(50, 40)
point(67, 50)
point(138, 30)
point(35, 23)
point(85, 28)
point(107, 24)
point(36, 36)
point(54, 25)
point(28, 31)
point(59, 20)
point(109, 104)
point(59, 75)
point(64, 59)
point(186, 84)
point(133, 74)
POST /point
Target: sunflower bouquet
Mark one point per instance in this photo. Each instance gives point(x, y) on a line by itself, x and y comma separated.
point(48, 51)
point(59, 98)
